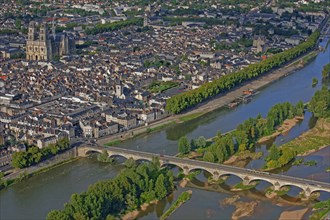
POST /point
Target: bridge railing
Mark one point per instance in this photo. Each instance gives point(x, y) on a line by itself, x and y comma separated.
point(204, 164)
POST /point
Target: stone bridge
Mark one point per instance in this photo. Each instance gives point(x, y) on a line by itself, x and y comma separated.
point(247, 176)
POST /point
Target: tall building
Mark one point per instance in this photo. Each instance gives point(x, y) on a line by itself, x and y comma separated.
point(46, 46)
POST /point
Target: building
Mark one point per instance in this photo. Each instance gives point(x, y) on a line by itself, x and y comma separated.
point(46, 46)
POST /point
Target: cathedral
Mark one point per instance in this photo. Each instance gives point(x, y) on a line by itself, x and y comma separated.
point(48, 45)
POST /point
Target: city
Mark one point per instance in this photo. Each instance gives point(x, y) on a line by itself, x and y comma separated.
point(155, 77)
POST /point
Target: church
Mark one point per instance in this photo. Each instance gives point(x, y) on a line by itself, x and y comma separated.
point(46, 46)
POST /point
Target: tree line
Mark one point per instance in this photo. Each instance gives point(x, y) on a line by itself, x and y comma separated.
point(320, 107)
point(101, 28)
point(34, 155)
point(112, 198)
point(326, 71)
point(250, 131)
point(183, 101)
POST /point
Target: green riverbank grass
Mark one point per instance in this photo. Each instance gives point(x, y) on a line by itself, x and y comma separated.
point(190, 116)
point(147, 131)
point(184, 197)
point(321, 209)
point(25, 175)
point(241, 186)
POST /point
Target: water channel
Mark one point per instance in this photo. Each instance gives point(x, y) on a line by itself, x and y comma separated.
point(35, 197)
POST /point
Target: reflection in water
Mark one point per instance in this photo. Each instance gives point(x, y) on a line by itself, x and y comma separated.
point(178, 130)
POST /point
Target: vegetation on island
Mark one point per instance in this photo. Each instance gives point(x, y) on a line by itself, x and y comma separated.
point(112, 198)
point(314, 82)
point(183, 101)
point(321, 209)
point(185, 146)
point(104, 157)
point(183, 197)
point(34, 155)
point(309, 141)
point(326, 71)
point(251, 130)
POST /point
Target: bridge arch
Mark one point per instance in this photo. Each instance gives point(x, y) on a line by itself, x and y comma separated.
point(205, 172)
point(234, 175)
point(142, 160)
point(253, 180)
point(171, 165)
point(321, 193)
point(118, 157)
point(91, 151)
point(292, 187)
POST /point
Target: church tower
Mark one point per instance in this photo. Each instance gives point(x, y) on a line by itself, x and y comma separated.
point(43, 42)
point(30, 41)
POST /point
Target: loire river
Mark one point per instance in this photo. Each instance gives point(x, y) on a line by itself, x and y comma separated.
point(35, 197)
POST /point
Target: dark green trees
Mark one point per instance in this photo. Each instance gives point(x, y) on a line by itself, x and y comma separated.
point(326, 71)
point(35, 155)
point(109, 199)
point(191, 98)
point(184, 145)
point(320, 103)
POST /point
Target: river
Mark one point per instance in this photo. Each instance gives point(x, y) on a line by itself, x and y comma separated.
point(33, 198)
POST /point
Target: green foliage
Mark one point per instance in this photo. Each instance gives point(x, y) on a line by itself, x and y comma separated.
point(314, 82)
point(310, 163)
point(298, 162)
point(104, 157)
point(18, 23)
point(159, 87)
point(34, 155)
point(184, 145)
point(326, 71)
point(320, 103)
point(100, 28)
point(185, 100)
point(274, 153)
point(321, 210)
point(183, 197)
point(110, 199)
point(251, 130)
point(8, 32)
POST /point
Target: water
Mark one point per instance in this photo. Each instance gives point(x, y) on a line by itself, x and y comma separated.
point(35, 197)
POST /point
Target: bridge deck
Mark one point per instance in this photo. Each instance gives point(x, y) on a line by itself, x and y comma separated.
point(214, 166)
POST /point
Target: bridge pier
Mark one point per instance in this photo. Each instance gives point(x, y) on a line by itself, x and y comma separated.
point(216, 170)
point(186, 170)
point(277, 186)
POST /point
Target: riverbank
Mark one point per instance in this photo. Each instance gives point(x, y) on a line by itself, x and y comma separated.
point(22, 174)
point(243, 209)
point(183, 198)
point(296, 214)
point(212, 104)
point(16, 175)
point(286, 126)
point(312, 140)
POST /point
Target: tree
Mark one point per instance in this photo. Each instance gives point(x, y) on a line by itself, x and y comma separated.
point(57, 215)
point(299, 108)
point(209, 157)
point(104, 156)
point(320, 103)
point(20, 160)
point(274, 153)
point(130, 163)
point(184, 145)
point(18, 23)
point(201, 142)
point(160, 188)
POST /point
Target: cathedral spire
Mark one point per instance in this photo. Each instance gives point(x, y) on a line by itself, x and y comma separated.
point(53, 27)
